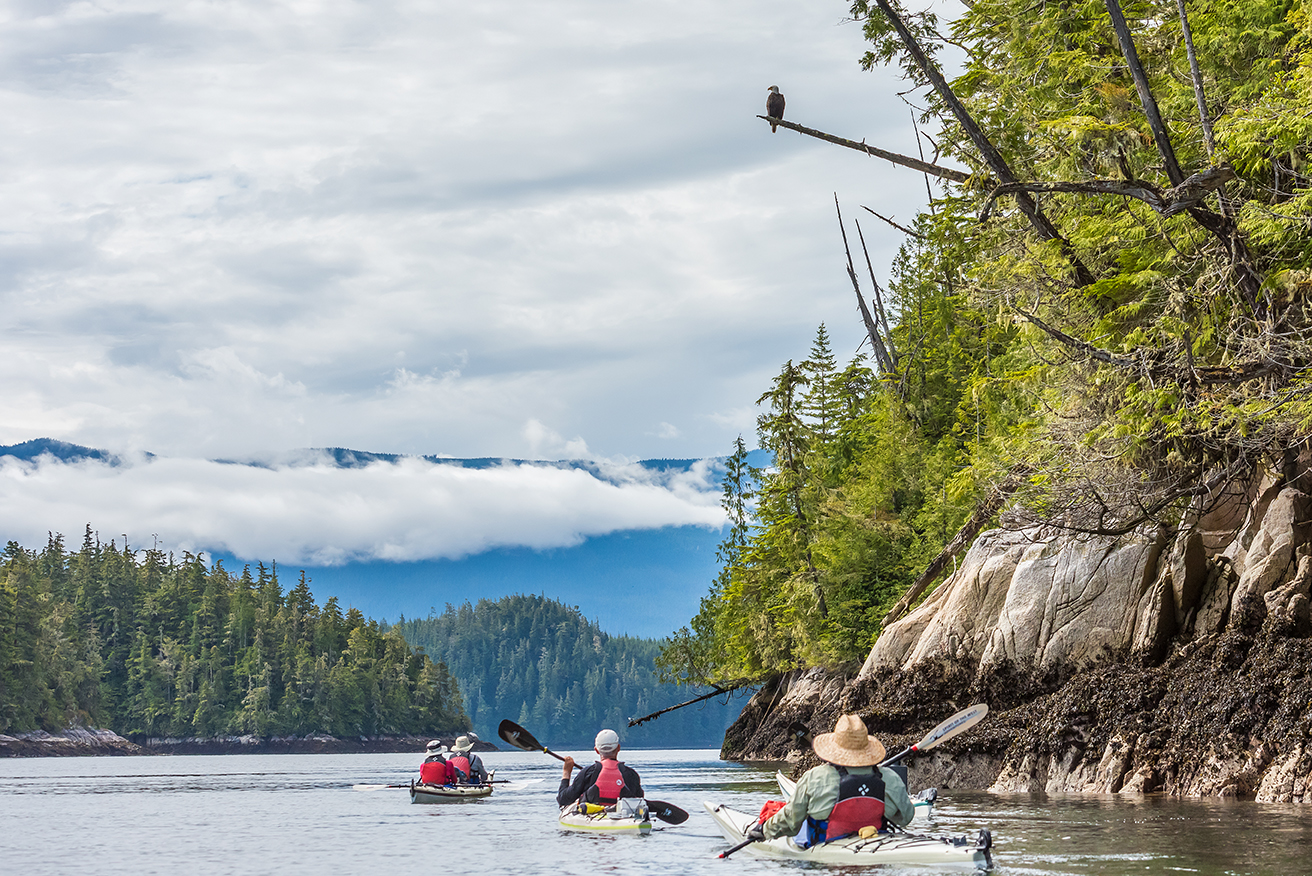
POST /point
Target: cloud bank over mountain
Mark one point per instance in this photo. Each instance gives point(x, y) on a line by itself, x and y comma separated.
point(310, 509)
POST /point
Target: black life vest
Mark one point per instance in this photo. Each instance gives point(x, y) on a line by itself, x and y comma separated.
point(860, 804)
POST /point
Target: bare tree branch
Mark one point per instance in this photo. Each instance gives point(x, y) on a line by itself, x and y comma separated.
point(1084, 347)
point(904, 160)
point(727, 689)
point(880, 313)
point(1196, 75)
point(1147, 361)
point(884, 361)
point(1188, 195)
point(903, 229)
point(1160, 135)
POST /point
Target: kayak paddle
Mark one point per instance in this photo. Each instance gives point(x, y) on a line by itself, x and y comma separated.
point(526, 741)
point(667, 812)
point(522, 739)
point(952, 727)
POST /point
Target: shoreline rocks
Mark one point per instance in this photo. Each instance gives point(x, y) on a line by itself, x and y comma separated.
point(1178, 663)
point(72, 742)
point(90, 742)
point(310, 744)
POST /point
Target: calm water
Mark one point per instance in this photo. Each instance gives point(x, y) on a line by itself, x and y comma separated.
point(302, 814)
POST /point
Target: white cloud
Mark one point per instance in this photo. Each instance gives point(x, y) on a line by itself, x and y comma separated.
point(415, 227)
point(308, 510)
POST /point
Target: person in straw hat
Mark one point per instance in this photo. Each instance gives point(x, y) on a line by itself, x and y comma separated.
point(468, 766)
point(847, 792)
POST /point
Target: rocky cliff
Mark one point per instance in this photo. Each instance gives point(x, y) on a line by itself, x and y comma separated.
point(1173, 661)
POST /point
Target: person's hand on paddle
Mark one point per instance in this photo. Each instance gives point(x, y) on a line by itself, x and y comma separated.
point(568, 764)
point(756, 834)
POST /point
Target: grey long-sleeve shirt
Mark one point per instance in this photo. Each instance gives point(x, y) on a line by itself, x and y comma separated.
point(817, 792)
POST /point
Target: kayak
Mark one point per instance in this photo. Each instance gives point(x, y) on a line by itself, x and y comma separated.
point(629, 816)
point(424, 793)
point(885, 848)
point(923, 801)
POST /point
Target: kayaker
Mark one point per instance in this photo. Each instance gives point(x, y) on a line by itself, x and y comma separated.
point(435, 770)
point(846, 793)
point(468, 766)
point(603, 782)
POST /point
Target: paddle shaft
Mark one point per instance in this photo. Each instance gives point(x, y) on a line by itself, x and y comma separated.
point(901, 754)
point(742, 845)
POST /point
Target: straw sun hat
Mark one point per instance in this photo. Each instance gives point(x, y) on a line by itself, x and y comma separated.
point(849, 744)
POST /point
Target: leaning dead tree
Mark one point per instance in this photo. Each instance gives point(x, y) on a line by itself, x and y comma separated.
point(984, 512)
point(720, 690)
point(877, 330)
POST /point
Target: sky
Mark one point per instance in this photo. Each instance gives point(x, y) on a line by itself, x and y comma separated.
point(542, 231)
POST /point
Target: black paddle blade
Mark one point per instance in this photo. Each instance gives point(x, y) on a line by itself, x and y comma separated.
point(518, 736)
point(667, 812)
point(799, 734)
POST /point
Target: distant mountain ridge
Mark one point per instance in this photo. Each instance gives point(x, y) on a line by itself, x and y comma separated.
point(61, 450)
point(345, 457)
point(542, 664)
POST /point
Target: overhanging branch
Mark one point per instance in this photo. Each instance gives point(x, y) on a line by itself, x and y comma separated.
point(1188, 195)
point(634, 722)
point(874, 151)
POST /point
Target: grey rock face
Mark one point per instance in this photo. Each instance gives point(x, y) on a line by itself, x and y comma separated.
point(1151, 662)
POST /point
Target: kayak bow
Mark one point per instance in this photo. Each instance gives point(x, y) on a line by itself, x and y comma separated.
point(887, 848)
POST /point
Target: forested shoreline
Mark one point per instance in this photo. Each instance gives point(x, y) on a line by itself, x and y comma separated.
point(148, 644)
point(1099, 325)
point(545, 666)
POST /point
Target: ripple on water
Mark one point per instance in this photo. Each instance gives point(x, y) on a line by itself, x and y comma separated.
point(304, 814)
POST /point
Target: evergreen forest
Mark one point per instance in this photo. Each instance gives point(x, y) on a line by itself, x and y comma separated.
point(148, 644)
point(1101, 321)
point(546, 667)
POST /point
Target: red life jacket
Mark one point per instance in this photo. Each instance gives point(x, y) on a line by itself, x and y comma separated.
point(610, 782)
point(433, 772)
point(860, 804)
point(461, 764)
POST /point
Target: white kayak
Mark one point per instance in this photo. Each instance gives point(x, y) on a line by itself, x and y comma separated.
point(423, 793)
point(885, 848)
point(630, 815)
point(923, 801)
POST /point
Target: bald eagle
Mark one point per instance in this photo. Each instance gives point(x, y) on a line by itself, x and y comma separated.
point(774, 106)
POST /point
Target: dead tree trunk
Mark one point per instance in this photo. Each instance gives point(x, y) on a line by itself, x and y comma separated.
point(992, 157)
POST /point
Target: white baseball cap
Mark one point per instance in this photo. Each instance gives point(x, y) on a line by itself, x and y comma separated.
point(607, 741)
